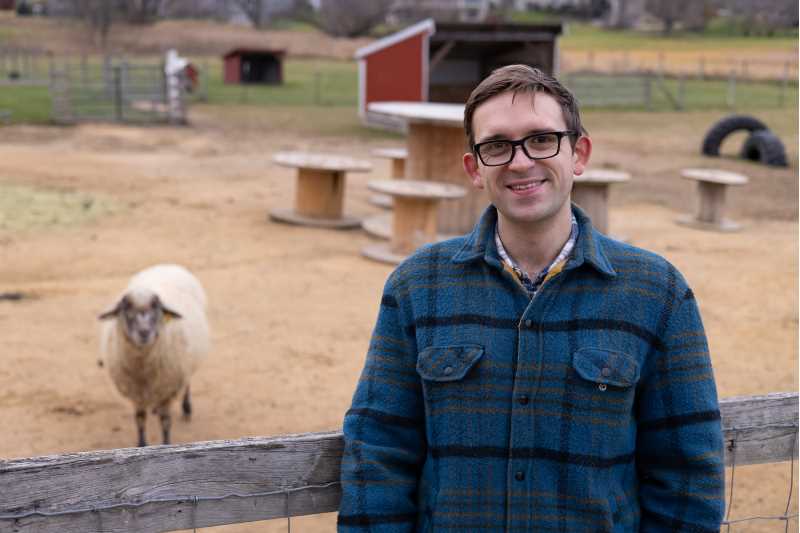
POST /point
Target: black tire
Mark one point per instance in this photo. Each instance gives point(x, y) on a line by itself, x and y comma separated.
point(725, 127)
point(764, 147)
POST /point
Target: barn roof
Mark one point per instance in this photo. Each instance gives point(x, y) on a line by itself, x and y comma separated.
point(426, 26)
point(499, 32)
point(250, 50)
point(467, 33)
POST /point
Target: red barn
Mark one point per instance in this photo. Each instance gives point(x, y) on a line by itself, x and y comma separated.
point(443, 62)
point(251, 65)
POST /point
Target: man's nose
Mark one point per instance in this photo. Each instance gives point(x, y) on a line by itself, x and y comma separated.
point(520, 161)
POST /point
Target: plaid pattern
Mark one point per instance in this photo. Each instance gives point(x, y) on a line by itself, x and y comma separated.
point(532, 285)
point(591, 407)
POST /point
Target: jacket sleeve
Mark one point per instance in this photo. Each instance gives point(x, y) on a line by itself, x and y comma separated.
point(679, 451)
point(384, 432)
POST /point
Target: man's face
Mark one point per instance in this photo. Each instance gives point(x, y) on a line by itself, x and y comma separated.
point(526, 191)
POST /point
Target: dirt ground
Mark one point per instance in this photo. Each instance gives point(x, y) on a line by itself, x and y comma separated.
point(292, 308)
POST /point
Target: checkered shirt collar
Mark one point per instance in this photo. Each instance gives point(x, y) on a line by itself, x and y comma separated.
point(532, 284)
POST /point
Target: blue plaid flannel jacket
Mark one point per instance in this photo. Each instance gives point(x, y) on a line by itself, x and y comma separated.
point(591, 407)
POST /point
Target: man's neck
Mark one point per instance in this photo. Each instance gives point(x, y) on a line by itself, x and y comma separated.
point(535, 246)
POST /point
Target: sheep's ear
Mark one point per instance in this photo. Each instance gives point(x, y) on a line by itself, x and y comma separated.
point(113, 312)
point(169, 314)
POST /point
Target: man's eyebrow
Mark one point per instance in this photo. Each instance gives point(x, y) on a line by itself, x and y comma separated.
point(499, 137)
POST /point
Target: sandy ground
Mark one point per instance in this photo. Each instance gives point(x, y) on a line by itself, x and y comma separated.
point(291, 307)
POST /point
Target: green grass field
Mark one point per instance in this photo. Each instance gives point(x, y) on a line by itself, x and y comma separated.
point(322, 84)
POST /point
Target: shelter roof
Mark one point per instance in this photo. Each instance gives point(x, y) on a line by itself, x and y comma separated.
point(252, 50)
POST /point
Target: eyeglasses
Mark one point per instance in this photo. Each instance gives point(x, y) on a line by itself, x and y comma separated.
point(537, 146)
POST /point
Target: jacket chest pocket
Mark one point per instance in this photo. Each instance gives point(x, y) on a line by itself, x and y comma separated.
point(450, 380)
point(607, 377)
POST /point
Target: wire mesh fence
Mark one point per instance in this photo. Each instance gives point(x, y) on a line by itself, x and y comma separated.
point(117, 91)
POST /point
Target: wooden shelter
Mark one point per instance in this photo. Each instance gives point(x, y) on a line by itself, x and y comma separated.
point(254, 65)
point(443, 62)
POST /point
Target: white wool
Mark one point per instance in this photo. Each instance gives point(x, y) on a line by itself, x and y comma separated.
point(152, 376)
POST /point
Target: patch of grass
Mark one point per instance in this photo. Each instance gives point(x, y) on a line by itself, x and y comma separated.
point(291, 24)
point(586, 37)
point(27, 104)
point(669, 94)
point(24, 208)
point(295, 121)
point(306, 82)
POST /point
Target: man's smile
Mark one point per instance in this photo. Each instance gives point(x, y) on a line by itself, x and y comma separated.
point(526, 186)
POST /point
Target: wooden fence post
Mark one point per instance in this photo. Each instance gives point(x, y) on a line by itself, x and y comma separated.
point(732, 89)
point(784, 85)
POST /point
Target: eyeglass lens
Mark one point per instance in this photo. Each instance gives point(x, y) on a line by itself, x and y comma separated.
point(536, 146)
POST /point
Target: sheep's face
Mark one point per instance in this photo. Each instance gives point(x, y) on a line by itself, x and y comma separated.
point(141, 314)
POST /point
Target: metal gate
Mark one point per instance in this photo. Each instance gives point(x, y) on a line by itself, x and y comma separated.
point(118, 91)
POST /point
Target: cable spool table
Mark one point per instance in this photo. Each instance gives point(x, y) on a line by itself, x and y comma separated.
point(711, 187)
point(590, 191)
point(436, 144)
point(397, 157)
point(415, 216)
point(319, 191)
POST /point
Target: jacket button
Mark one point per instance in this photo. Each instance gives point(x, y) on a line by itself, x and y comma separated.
point(523, 400)
point(606, 371)
point(520, 475)
point(448, 370)
point(527, 323)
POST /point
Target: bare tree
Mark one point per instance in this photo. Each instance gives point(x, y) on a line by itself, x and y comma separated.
point(143, 11)
point(761, 16)
point(254, 10)
point(352, 18)
point(98, 16)
point(691, 14)
point(261, 12)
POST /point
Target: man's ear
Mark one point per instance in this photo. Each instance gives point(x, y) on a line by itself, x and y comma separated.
point(470, 163)
point(581, 154)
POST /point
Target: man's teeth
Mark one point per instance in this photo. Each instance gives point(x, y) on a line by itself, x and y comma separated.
point(525, 186)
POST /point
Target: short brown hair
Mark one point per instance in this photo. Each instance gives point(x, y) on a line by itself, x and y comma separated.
point(522, 79)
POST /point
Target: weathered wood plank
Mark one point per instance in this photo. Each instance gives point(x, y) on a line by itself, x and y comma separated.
point(760, 429)
point(154, 489)
point(163, 488)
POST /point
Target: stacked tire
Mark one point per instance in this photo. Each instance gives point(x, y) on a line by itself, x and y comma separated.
point(761, 145)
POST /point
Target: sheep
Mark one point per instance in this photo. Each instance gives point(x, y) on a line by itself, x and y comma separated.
point(153, 339)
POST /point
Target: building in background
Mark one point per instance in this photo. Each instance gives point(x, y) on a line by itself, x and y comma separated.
point(253, 65)
point(442, 62)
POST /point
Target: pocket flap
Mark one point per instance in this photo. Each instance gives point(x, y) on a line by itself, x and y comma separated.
point(606, 366)
point(447, 363)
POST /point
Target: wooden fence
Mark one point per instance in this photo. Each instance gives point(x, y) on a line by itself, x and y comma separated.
point(164, 488)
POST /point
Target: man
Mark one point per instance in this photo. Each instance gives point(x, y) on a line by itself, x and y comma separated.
point(533, 375)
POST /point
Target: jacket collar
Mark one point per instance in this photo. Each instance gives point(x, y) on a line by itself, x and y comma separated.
point(588, 249)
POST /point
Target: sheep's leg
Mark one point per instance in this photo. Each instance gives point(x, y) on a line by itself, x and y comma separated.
point(187, 404)
point(141, 418)
point(166, 421)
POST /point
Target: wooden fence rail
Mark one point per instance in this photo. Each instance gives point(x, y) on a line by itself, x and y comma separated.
point(164, 488)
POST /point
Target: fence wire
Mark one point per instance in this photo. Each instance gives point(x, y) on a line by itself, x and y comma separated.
point(195, 501)
point(785, 517)
point(728, 523)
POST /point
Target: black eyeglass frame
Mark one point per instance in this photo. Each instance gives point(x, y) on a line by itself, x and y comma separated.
point(521, 143)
